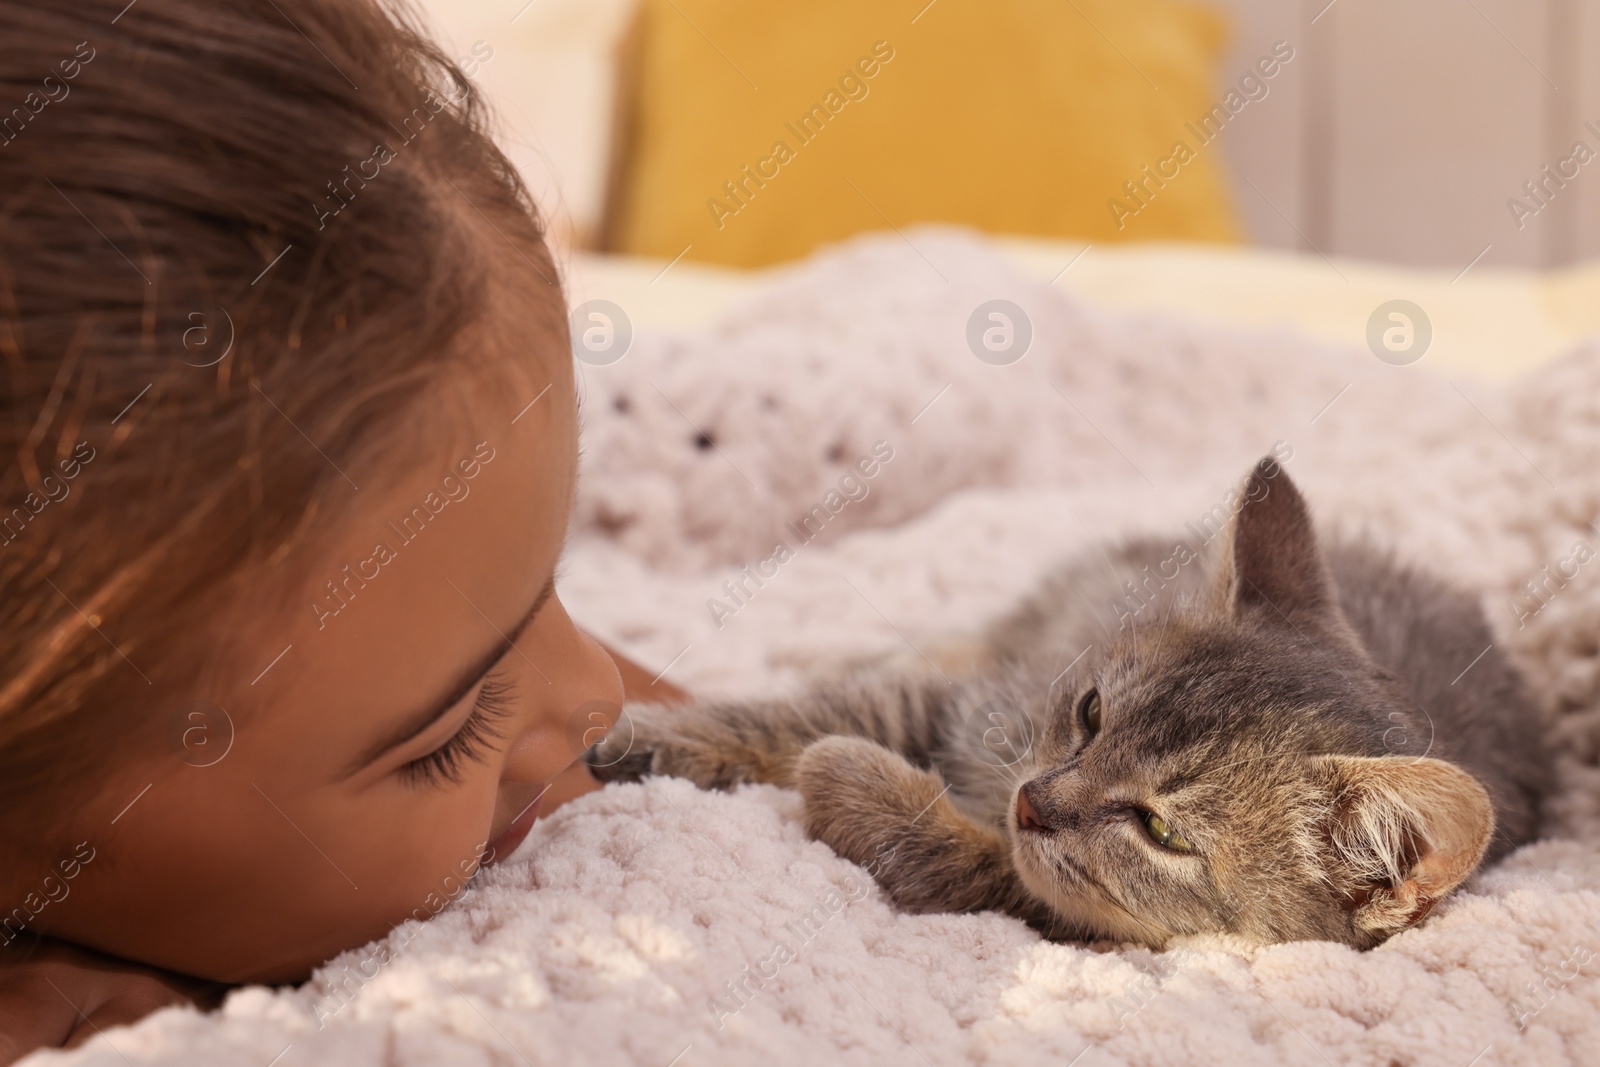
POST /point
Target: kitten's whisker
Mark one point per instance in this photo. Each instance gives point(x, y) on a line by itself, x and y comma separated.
point(1164, 625)
point(1082, 877)
point(1015, 778)
point(1111, 570)
point(1094, 612)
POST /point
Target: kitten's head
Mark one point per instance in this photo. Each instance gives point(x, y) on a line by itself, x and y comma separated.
point(1220, 765)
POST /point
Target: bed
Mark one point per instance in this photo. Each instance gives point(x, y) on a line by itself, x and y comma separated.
point(628, 927)
point(642, 924)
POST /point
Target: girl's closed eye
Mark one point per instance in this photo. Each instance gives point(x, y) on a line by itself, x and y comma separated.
point(475, 739)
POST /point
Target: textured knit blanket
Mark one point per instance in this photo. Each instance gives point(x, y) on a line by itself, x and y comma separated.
point(728, 527)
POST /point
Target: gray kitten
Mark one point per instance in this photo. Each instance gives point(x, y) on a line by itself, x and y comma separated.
point(1253, 735)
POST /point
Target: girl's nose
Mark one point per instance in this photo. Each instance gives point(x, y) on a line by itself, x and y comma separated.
point(573, 698)
point(598, 701)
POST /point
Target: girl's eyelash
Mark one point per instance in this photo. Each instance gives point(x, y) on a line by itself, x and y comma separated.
point(469, 744)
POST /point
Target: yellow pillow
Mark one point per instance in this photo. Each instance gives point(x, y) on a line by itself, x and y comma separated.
point(753, 132)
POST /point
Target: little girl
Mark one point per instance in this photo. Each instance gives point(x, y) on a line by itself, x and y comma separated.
point(290, 437)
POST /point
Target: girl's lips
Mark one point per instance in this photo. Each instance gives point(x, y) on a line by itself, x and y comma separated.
point(506, 843)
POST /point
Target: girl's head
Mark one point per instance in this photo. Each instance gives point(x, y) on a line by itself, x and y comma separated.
point(290, 438)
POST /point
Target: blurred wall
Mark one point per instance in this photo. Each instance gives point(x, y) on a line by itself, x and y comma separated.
point(1399, 133)
point(1410, 125)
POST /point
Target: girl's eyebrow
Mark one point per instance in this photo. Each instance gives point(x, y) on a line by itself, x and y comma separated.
point(419, 721)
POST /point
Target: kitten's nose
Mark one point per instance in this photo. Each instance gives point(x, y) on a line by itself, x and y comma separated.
point(1027, 817)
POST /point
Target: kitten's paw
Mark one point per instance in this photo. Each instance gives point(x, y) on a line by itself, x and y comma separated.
point(869, 805)
point(623, 752)
point(632, 765)
point(674, 742)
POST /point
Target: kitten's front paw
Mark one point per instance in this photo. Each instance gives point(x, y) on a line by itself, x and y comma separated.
point(623, 752)
point(680, 744)
point(867, 804)
point(608, 766)
point(628, 750)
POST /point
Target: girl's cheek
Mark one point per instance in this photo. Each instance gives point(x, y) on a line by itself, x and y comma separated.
point(461, 835)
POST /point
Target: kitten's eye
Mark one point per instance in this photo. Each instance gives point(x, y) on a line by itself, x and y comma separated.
point(1089, 713)
point(1163, 834)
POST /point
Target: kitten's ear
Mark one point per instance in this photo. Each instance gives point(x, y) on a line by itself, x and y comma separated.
point(1400, 834)
point(1271, 562)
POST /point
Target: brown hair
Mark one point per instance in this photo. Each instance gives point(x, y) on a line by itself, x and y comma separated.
point(235, 240)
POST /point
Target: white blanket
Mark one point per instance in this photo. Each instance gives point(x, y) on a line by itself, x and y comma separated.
point(654, 924)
